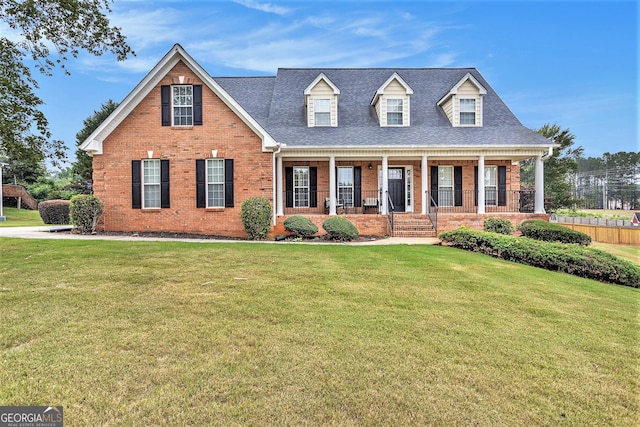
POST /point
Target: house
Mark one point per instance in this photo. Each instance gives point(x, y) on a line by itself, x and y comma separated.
point(397, 151)
point(635, 220)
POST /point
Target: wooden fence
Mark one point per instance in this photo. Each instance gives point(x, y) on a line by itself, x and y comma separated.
point(604, 234)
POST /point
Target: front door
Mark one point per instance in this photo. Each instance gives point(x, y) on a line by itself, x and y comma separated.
point(396, 188)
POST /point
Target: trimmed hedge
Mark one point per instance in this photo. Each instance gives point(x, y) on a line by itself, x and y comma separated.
point(341, 229)
point(54, 211)
point(256, 215)
point(573, 259)
point(300, 226)
point(549, 232)
point(498, 225)
point(85, 212)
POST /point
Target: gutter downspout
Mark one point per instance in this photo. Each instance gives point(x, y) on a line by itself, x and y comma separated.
point(275, 184)
point(539, 182)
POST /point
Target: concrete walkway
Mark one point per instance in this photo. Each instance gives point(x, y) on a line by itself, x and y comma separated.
point(61, 232)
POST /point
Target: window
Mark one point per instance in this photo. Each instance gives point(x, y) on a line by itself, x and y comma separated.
point(215, 183)
point(182, 105)
point(345, 186)
point(467, 111)
point(394, 112)
point(151, 183)
point(301, 187)
point(445, 185)
point(322, 112)
point(491, 185)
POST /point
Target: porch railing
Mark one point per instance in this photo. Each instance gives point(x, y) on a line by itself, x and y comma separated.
point(433, 212)
point(466, 201)
point(318, 203)
point(391, 209)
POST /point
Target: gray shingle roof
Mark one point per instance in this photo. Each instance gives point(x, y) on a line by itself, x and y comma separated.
point(277, 103)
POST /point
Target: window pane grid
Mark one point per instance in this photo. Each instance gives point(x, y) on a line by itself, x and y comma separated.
point(322, 112)
point(215, 183)
point(345, 185)
point(445, 185)
point(183, 105)
point(151, 183)
point(491, 185)
point(467, 111)
point(394, 111)
point(301, 187)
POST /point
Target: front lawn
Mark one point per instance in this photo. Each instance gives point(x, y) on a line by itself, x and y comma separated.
point(157, 333)
point(20, 218)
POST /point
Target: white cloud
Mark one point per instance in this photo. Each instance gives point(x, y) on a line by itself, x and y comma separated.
point(263, 7)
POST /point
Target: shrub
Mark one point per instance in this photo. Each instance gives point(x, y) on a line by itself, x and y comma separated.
point(256, 215)
point(498, 225)
point(573, 259)
point(300, 226)
point(549, 232)
point(85, 211)
point(54, 211)
point(341, 229)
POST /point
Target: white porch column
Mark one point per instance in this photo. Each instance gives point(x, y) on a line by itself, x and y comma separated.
point(332, 185)
point(539, 178)
point(480, 178)
point(279, 204)
point(2, 217)
point(385, 185)
point(424, 185)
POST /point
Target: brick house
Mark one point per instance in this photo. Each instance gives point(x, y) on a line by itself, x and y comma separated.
point(397, 151)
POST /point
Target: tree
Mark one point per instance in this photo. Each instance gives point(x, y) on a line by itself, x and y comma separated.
point(82, 167)
point(559, 169)
point(41, 27)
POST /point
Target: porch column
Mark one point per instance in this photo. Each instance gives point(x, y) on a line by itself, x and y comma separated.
point(424, 185)
point(539, 178)
point(332, 185)
point(279, 204)
point(480, 179)
point(385, 185)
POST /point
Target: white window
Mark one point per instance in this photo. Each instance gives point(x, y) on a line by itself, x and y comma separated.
point(300, 187)
point(151, 183)
point(322, 112)
point(491, 185)
point(345, 186)
point(445, 185)
point(182, 105)
point(394, 112)
point(215, 183)
point(467, 111)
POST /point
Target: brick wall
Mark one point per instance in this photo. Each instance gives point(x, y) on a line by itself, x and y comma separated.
point(367, 225)
point(141, 131)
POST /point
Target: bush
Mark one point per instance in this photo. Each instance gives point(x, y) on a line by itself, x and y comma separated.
point(573, 259)
point(498, 225)
point(300, 226)
point(549, 232)
point(54, 211)
point(341, 229)
point(256, 215)
point(85, 212)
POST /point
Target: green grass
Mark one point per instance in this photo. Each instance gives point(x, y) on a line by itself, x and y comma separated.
point(20, 218)
point(597, 213)
point(630, 252)
point(150, 333)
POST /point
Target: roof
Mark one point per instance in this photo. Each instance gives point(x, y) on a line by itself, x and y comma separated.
point(277, 104)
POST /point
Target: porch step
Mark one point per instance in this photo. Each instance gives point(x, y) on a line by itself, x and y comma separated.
point(412, 226)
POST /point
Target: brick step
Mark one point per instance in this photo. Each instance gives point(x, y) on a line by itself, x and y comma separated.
point(400, 233)
point(413, 225)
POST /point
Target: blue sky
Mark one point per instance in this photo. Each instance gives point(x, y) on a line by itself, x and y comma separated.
point(571, 62)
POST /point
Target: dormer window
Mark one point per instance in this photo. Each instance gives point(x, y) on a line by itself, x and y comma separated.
point(394, 112)
point(391, 102)
point(463, 103)
point(322, 111)
point(467, 112)
point(321, 99)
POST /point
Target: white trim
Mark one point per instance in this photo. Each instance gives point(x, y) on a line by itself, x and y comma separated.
point(206, 181)
point(454, 89)
point(394, 76)
point(93, 144)
point(143, 184)
point(313, 84)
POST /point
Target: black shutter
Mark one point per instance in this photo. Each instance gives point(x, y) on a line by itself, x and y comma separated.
point(136, 190)
point(313, 187)
point(228, 183)
point(457, 185)
point(164, 184)
point(201, 193)
point(197, 105)
point(357, 186)
point(288, 186)
point(502, 185)
point(475, 186)
point(165, 94)
point(434, 183)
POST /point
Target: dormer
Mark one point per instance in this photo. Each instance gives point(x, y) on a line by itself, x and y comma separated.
point(321, 99)
point(391, 102)
point(463, 103)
